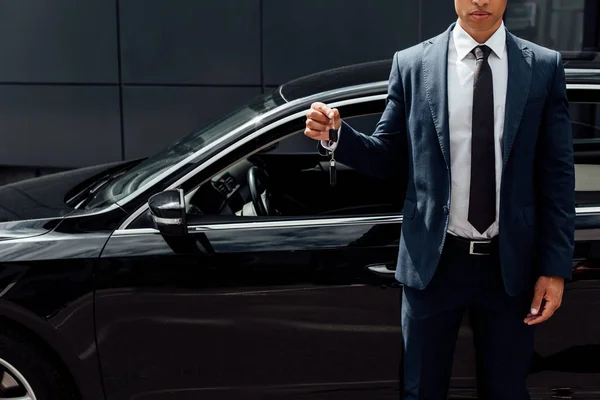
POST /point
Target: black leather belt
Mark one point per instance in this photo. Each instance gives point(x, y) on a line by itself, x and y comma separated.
point(472, 247)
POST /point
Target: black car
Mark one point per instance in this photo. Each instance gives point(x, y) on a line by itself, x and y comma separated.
point(228, 267)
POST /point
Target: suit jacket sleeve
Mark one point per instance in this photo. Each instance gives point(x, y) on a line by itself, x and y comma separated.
point(556, 179)
point(378, 154)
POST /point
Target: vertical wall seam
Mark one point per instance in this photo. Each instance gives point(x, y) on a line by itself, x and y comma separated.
point(261, 48)
point(120, 78)
point(420, 21)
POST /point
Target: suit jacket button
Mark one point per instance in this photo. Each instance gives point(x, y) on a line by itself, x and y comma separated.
point(446, 210)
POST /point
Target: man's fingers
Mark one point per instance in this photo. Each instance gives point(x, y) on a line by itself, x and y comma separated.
point(544, 315)
point(549, 289)
point(316, 126)
point(317, 135)
point(336, 118)
point(318, 116)
point(536, 314)
point(319, 119)
point(538, 296)
point(322, 107)
point(536, 319)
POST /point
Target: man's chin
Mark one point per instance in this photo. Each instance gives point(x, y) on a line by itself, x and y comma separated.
point(485, 25)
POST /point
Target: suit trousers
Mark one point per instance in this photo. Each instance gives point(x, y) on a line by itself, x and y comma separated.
point(431, 319)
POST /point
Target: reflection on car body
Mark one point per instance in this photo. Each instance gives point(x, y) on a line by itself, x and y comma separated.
point(280, 286)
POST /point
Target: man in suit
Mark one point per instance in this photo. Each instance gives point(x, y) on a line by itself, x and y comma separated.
point(481, 119)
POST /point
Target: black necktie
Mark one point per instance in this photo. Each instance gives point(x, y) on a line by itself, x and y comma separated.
point(482, 200)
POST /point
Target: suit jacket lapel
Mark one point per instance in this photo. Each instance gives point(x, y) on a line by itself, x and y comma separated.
point(517, 91)
point(435, 77)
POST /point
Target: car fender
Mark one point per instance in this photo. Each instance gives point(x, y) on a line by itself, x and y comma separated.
point(86, 378)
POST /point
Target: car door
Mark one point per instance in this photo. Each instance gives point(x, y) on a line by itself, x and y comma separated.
point(287, 307)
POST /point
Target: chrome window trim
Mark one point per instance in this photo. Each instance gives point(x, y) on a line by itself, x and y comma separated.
point(136, 232)
point(586, 86)
point(276, 224)
point(382, 85)
point(307, 223)
point(301, 223)
point(579, 71)
point(85, 213)
point(587, 210)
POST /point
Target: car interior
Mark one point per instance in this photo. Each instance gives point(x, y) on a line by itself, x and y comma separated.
point(278, 184)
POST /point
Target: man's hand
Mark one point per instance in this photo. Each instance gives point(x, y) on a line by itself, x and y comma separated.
point(319, 121)
point(550, 289)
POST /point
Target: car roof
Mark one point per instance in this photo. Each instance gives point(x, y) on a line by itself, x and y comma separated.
point(580, 67)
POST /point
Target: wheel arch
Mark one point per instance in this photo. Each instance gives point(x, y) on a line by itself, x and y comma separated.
point(44, 335)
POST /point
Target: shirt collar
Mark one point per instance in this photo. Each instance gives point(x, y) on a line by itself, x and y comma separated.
point(464, 43)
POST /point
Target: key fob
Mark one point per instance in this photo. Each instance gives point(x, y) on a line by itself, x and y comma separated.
point(332, 173)
point(333, 135)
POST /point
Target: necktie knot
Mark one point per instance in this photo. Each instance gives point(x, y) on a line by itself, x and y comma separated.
point(481, 52)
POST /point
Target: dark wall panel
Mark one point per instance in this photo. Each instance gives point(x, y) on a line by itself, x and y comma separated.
point(436, 17)
point(302, 37)
point(190, 41)
point(59, 126)
point(157, 116)
point(58, 41)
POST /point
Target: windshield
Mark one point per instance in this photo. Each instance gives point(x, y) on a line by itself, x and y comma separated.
point(158, 164)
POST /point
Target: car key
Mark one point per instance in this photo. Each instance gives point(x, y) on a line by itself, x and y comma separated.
point(333, 134)
point(333, 137)
point(332, 171)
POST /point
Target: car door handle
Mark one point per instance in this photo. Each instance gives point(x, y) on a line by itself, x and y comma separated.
point(382, 270)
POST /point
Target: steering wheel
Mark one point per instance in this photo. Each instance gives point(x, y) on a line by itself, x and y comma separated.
point(258, 182)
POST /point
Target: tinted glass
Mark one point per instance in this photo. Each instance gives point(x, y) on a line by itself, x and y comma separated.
point(585, 118)
point(557, 24)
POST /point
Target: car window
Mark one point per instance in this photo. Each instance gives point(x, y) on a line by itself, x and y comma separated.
point(299, 178)
point(585, 119)
point(557, 24)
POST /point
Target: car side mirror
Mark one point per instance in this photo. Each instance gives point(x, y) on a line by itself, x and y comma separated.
point(168, 212)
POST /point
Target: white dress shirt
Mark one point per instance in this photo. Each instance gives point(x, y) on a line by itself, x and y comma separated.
point(461, 70)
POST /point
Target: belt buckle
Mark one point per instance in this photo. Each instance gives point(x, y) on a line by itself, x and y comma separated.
point(472, 247)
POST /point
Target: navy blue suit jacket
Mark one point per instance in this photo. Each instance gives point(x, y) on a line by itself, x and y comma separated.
point(537, 210)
